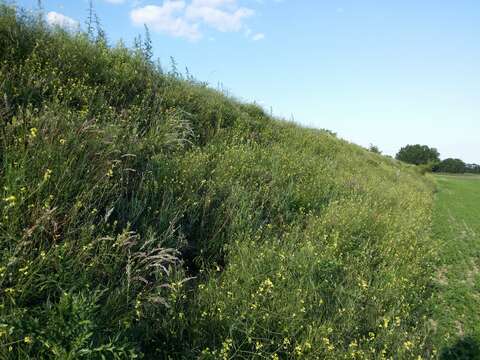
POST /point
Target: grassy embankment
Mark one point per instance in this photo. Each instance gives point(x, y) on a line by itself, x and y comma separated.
point(147, 214)
point(457, 301)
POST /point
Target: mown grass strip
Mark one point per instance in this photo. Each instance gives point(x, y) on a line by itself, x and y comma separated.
point(457, 301)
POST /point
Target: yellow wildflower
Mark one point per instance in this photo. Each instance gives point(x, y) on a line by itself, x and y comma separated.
point(363, 284)
point(11, 200)
point(24, 270)
point(33, 133)
point(47, 175)
point(298, 350)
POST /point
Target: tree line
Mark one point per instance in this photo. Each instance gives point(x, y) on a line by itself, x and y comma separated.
point(430, 159)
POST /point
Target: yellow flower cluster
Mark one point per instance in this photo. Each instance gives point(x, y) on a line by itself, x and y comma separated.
point(10, 200)
point(33, 133)
point(47, 175)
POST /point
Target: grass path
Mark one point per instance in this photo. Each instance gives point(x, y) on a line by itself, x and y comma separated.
point(457, 301)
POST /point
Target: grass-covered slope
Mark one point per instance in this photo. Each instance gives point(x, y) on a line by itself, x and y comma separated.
point(147, 215)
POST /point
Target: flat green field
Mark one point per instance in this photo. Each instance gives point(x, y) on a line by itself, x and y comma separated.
point(456, 317)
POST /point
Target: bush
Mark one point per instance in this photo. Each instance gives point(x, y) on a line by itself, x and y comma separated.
point(374, 149)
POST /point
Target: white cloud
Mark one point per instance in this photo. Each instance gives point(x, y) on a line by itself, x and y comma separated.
point(184, 19)
point(222, 15)
point(259, 36)
point(57, 19)
point(166, 18)
point(115, 1)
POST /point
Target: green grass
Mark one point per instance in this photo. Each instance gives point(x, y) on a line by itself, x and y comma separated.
point(143, 214)
point(457, 301)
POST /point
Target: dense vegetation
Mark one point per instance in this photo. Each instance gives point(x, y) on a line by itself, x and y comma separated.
point(143, 214)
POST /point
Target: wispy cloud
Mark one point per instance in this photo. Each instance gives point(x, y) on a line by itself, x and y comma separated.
point(258, 37)
point(57, 19)
point(222, 15)
point(115, 1)
point(186, 18)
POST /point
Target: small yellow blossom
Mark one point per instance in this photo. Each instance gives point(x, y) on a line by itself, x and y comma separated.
point(298, 350)
point(47, 175)
point(363, 284)
point(385, 322)
point(62, 141)
point(33, 133)
point(27, 340)
point(11, 200)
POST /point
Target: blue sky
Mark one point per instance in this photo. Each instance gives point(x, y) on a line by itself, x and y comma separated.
point(384, 72)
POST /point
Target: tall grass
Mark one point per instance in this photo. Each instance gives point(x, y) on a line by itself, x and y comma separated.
point(144, 215)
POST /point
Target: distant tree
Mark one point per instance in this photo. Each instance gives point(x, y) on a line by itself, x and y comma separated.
point(418, 154)
point(455, 166)
point(473, 168)
point(374, 149)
